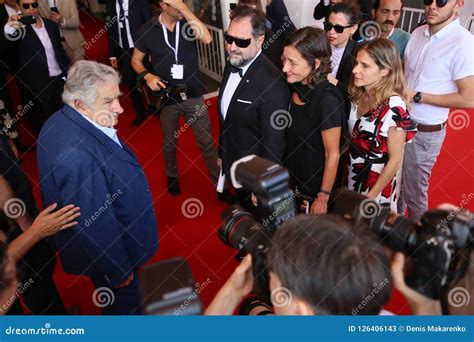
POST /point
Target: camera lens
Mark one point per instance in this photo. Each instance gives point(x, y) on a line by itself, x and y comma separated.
point(395, 231)
point(236, 223)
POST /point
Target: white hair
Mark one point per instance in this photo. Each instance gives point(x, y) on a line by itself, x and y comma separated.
point(83, 79)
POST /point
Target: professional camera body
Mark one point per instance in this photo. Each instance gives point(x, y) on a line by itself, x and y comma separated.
point(438, 246)
point(276, 204)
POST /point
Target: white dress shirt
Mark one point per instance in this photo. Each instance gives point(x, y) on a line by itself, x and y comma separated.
point(231, 85)
point(42, 33)
point(11, 11)
point(127, 24)
point(53, 66)
point(108, 131)
point(434, 63)
point(336, 57)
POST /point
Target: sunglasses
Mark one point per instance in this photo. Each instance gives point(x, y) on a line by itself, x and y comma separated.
point(439, 3)
point(337, 28)
point(241, 43)
point(26, 6)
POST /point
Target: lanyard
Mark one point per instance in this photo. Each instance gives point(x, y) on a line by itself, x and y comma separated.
point(165, 35)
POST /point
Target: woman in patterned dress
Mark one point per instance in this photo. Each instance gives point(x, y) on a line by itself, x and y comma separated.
point(379, 122)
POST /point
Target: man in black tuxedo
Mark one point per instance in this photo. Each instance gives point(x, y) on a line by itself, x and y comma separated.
point(253, 98)
point(41, 56)
point(125, 18)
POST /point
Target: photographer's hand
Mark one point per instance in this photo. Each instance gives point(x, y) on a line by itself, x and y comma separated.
point(239, 284)
point(320, 204)
point(154, 82)
point(420, 304)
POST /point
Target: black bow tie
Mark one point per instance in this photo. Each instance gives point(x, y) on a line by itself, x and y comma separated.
point(234, 70)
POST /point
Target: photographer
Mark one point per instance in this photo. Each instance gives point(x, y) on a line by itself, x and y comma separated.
point(351, 266)
point(170, 40)
point(343, 276)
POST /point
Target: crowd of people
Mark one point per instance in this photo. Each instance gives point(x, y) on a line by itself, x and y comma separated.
point(369, 115)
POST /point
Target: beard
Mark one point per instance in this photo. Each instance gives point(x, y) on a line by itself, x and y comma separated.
point(237, 59)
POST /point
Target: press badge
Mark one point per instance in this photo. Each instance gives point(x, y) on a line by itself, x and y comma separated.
point(177, 71)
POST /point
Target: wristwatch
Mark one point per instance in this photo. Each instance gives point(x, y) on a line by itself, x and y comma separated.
point(417, 97)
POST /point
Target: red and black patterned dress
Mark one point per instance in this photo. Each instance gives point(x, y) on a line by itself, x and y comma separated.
point(368, 151)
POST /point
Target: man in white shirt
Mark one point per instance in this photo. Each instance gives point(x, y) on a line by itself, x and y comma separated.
point(66, 15)
point(253, 97)
point(41, 56)
point(440, 75)
point(124, 18)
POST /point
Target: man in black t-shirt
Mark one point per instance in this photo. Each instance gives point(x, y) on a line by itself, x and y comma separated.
point(170, 40)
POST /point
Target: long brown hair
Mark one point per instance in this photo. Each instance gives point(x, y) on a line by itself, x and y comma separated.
point(384, 53)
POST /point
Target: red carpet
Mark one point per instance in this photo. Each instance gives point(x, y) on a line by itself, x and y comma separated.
point(196, 239)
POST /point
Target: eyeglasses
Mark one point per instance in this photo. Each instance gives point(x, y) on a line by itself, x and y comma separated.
point(439, 3)
point(337, 28)
point(26, 6)
point(241, 43)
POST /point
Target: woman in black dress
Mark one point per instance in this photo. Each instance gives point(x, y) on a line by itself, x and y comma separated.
point(316, 110)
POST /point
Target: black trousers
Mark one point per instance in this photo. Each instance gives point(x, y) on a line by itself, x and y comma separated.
point(130, 79)
point(47, 101)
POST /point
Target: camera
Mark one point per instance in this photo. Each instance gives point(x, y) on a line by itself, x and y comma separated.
point(438, 247)
point(162, 97)
point(276, 204)
point(28, 20)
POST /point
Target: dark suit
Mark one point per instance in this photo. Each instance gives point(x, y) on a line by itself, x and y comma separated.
point(7, 59)
point(139, 12)
point(34, 73)
point(248, 128)
point(117, 230)
point(41, 298)
point(344, 73)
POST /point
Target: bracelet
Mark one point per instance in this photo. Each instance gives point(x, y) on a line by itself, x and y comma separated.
point(325, 192)
point(141, 76)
